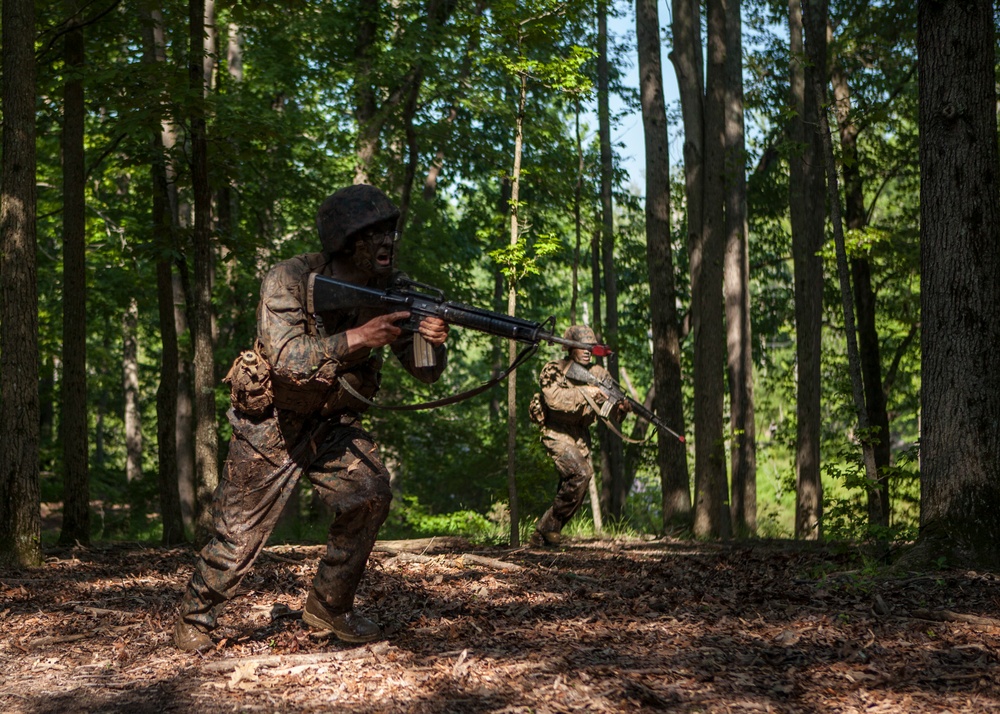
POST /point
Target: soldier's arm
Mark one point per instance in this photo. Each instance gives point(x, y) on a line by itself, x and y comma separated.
point(282, 329)
point(560, 394)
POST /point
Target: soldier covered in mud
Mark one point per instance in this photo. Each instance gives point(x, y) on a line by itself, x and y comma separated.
point(565, 410)
point(293, 417)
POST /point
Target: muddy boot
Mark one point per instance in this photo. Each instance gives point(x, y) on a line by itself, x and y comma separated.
point(548, 538)
point(191, 638)
point(347, 626)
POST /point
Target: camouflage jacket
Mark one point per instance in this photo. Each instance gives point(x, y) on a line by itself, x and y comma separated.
point(308, 352)
point(564, 398)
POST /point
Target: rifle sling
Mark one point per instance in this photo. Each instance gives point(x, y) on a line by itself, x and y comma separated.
point(518, 361)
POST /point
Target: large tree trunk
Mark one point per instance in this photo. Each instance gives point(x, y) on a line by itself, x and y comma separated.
point(808, 216)
point(711, 516)
point(856, 218)
point(20, 520)
point(74, 419)
point(687, 60)
point(668, 402)
point(616, 484)
point(206, 437)
point(959, 289)
point(736, 288)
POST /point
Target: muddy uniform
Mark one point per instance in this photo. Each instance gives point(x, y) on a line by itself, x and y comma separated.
point(566, 437)
point(269, 453)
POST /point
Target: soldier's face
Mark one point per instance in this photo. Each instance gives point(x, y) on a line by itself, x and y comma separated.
point(581, 356)
point(374, 253)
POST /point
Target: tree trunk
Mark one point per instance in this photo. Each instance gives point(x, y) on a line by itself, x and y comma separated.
point(615, 481)
point(365, 106)
point(74, 419)
point(807, 215)
point(133, 421)
point(515, 184)
point(959, 290)
point(164, 221)
point(856, 218)
point(20, 519)
point(687, 60)
point(711, 517)
point(206, 438)
point(736, 289)
point(668, 402)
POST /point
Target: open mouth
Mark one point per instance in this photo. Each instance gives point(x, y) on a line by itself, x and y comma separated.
point(383, 256)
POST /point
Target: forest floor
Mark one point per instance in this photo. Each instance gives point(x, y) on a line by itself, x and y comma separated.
point(593, 626)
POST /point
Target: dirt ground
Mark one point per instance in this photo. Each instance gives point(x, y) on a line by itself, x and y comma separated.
point(597, 626)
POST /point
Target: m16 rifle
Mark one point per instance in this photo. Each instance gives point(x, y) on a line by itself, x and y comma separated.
point(325, 293)
point(614, 395)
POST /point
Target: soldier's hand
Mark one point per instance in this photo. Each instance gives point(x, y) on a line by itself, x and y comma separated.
point(377, 332)
point(434, 330)
point(597, 394)
point(623, 408)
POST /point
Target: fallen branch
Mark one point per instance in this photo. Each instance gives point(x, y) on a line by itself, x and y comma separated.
point(228, 665)
point(490, 562)
point(42, 641)
point(421, 545)
point(99, 611)
point(949, 616)
point(405, 557)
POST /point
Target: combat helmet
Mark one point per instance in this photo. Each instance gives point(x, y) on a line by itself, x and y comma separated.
point(580, 333)
point(349, 211)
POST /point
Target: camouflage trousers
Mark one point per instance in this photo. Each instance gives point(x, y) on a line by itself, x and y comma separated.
point(266, 459)
point(569, 447)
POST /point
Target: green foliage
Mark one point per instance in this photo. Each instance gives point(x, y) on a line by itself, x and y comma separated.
point(409, 519)
point(846, 512)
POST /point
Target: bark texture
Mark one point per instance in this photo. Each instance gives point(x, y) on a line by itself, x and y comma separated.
point(671, 456)
point(960, 293)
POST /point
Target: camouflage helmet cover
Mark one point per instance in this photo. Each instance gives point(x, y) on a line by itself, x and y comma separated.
point(580, 333)
point(348, 212)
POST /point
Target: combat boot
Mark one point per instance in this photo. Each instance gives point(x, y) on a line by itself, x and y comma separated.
point(191, 638)
point(347, 626)
point(547, 538)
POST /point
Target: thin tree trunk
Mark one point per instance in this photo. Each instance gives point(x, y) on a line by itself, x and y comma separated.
point(856, 219)
point(133, 419)
point(20, 519)
point(206, 438)
point(807, 214)
point(577, 216)
point(74, 419)
point(515, 185)
point(736, 289)
point(668, 402)
point(616, 484)
point(847, 301)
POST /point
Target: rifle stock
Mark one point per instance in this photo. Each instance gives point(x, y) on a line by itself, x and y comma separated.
point(325, 293)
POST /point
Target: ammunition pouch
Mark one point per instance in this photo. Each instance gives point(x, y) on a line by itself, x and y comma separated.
point(536, 409)
point(249, 381)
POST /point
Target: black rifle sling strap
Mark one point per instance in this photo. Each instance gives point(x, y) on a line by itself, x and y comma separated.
point(521, 358)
